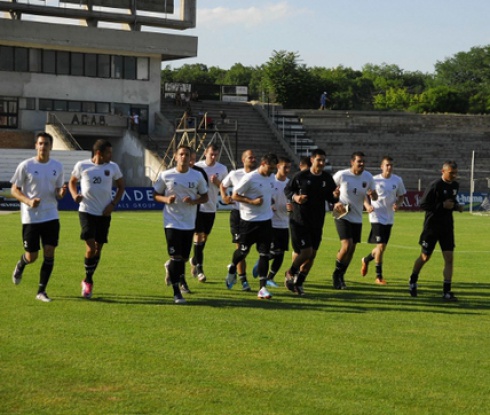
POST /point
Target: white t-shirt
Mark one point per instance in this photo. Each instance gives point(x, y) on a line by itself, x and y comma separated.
point(231, 180)
point(280, 215)
point(40, 180)
point(253, 185)
point(180, 215)
point(353, 189)
point(220, 171)
point(388, 191)
point(96, 182)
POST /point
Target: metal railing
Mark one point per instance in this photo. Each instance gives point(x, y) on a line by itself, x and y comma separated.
point(65, 135)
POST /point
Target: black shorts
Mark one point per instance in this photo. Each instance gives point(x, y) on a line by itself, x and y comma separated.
point(204, 222)
point(303, 237)
point(259, 233)
point(443, 234)
point(235, 224)
point(94, 227)
point(380, 234)
point(47, 233)
point(348, 230)
point(179, 242)
point(280, 240)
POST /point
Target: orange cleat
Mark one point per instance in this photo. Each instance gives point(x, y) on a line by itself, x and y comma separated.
point(380, 281)
point(364, 268)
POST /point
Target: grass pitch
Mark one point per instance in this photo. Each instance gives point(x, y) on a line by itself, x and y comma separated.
point(130, 350)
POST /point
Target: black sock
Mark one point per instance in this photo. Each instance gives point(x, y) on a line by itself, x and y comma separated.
point(379, 271)
point(198, 254)
point(45, 274)
point(368, 258)
point(446, 287)
point(414, 278)
point(300, 279)
point(90, 265)
point(277, 260)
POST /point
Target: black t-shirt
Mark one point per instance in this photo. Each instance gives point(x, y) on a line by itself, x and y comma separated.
point(319, 189)
point(434, 196)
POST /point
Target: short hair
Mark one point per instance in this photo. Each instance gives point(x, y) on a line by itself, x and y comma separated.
point(318, 152)
point(189, 149)
point(212, 146)
point(450, 163)
point(269, 158)
point(247, 151)
point(283, 159)
point(45, 135)
point(305, 160)
point(101, 145)
point(387, 158)
point(357, 154)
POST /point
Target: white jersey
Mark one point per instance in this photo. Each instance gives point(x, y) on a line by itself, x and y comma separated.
point(254, 185)
point(280, 215)
point(353, 189)
point(231, 180)
point(220, 171)
point(388, 192)
point(180, 215)
point(40, 180)
point(96, 182)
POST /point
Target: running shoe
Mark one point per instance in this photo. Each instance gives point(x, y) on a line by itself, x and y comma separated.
point(230, 279)
point(168, 281)
point(336, 282)
point(364, 267)
point(255, 269)
point(87, 290)
point(264, 294)
point(299, 290)
point(272, 283)
point(193, 268)
point(380, 281)
point(178, 299)
point(246, 286)
point(17, 274)
point(43, 297)
point(184, 287)
point(413, 289)
point(201, 277)
point(449, 296)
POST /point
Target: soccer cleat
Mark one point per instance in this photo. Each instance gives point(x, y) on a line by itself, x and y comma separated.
point(264, 294)
point(272, 283)
point(43, 297)
point(343, 285)
point(380, 281)
point(449, 296)
point(299, 290)
point(185, 288)
point(178, 299)
point(364, 267)
point(193, 268)
point(255, 269)
point(413, 289)
point(87, 290)
point(246, 286)
point(289, 284)
point(230, 279)
point(17, 274)
point(201, 277)
point(168, 282)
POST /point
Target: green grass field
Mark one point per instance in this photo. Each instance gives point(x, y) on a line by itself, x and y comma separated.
point(130, 350)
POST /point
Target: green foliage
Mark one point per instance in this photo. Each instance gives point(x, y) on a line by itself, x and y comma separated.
point(130, 350)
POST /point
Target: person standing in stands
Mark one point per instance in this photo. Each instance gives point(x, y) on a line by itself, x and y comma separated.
point(38, 184)
point(206, 215)
point(439, 202)
point(180, 189)
point(390, 190)
point(231, 180)
point(96, 204)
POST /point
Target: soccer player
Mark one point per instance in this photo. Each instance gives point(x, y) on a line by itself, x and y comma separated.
point(180, 189)
point(38, 185)
point(308, 191)
point(390, 190)
point(206, 215)
point(96, 177)
point(439, 202)
point(254, 192)
point(355, 184)
point(231, 180)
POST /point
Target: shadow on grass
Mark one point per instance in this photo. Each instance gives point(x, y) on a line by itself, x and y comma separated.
point(359, 297)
